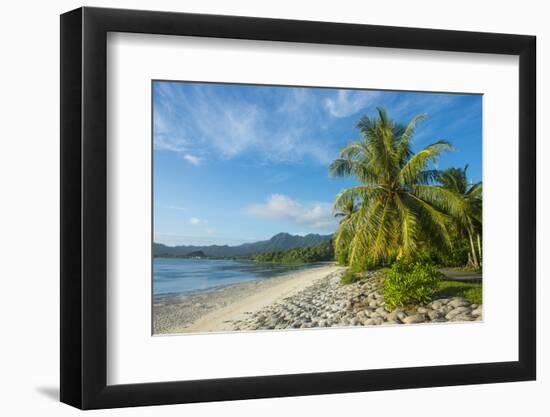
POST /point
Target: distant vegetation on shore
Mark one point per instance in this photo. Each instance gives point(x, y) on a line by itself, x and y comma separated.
point(320, 253)
point(279, 242)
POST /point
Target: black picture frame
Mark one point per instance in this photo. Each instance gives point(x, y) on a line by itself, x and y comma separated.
point(84, 207)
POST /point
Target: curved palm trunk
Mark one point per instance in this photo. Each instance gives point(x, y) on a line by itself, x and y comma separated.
point(479, 248)
point(473, 249)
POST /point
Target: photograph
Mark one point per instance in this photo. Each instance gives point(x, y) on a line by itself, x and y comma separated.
point(293, 207)
point(269, 205)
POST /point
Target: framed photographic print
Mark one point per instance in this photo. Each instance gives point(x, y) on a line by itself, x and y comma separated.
point(257, 207)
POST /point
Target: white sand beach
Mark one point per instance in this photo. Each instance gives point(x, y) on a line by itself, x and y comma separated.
point(216, 310)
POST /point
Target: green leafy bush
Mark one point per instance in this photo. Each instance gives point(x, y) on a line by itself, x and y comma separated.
point(457, 255)
point(349, 277)
point(342, 256)
point(409, 282)
point(365, 263)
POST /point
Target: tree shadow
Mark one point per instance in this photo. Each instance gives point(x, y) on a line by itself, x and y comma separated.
point(450, 292)
point(472, 291)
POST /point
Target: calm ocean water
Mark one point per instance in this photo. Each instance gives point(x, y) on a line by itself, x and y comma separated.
point(184, 275)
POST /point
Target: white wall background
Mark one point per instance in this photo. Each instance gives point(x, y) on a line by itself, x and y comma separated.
point(29, 171)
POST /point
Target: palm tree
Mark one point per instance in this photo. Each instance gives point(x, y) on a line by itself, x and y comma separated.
point(346, 210)
point(469, 224)
point(399, 206)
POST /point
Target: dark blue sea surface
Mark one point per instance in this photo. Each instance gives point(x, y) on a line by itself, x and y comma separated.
point(176, 276)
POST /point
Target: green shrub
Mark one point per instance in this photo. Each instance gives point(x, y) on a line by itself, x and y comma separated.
point(349, 277)
point(342, 256)
point(409, 282)
point(455, 256)
point(458, 255)
point(365, 263)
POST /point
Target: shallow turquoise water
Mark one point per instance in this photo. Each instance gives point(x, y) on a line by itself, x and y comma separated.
point(185, 275)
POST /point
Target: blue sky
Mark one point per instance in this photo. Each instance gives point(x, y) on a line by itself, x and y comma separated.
point(240, 163)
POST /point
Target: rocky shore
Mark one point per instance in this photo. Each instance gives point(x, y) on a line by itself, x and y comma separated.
point(327, 303)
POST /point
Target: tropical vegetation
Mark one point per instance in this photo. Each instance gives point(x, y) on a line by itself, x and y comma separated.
point(319, 253)
point(410, 283)
point(404, 213)
point(402, 206)
point(467, 226)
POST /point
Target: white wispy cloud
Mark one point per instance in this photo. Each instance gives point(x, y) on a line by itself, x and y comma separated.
point(203, 121)
point(281, 207)
point(226, 127)
point(194, 160)
point(347, 102)
point(196, 220)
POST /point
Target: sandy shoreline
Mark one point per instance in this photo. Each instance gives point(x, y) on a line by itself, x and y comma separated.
point(313, 298)
point(216, 309)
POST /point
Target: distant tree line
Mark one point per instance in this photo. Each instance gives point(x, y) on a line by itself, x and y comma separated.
point(320, 253)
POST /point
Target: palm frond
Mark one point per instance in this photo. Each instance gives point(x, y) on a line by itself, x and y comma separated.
point(417, 164)
point(454, 179)
point(354, 150)
point(359, 193)
point(445, 200)
point(435, 224)
point(343, 167)
point(409, 222)
point(475, 190)
point(428, 176)
point(404, 151)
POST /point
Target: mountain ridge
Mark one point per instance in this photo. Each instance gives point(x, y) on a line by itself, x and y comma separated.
point(279, 242)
